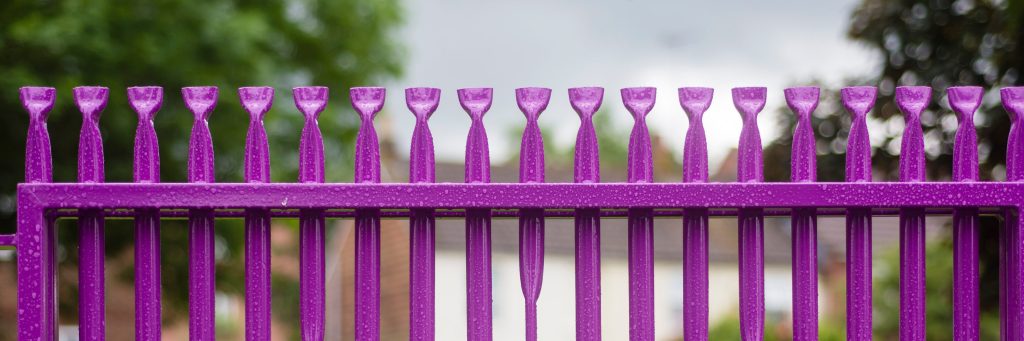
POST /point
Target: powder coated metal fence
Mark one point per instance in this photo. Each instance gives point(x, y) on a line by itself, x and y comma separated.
point(41, 202)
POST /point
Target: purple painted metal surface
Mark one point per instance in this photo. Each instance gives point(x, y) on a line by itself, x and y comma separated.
point(311, 101)
point(587, 169)
point(532, 102)
point(804, 224)
point(367, 103)
point(91, 101)
point(37, 275)
point(257, 101)
point(639, 102)
point(695, 101)
point(146, 101)
point(312, 201)
point(422, 102)
point(201, 277)
point(750, 168)
point(476, 102)
point(965, 101)
point(912, 100)
point(858, 101)
point(1012, 283)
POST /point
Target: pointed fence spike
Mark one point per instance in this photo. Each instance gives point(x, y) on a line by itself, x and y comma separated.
point(532, 101)
point(146, 101)
point(476, 102)
point(695, 101)
point(91, 100)
point(639, 102)
point(202, 272)
point(804, 222)
point(587, 169)
point(311, 101)
point(858, 101)
point(367, 101)
point(257, 101)
point(965, 100)
point(421, 102)
point(912, 100)
point(750, 232)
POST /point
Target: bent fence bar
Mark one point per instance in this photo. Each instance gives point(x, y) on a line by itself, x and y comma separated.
point(41, 202)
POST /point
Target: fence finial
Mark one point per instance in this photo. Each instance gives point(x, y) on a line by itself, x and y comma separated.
point(256, 101)
point(912, 100)
point(38, 101)
point(965, 100)
point(476, 102)
point(311, 101)
point(367, 101)
point(858, 101)
point(422, 102)
point(586, 101)
point(749, 101)
point(146, 101)
point(695, 101)
point(1013, 102)
point(803, 101)
point(532, 101)
point(639, 101)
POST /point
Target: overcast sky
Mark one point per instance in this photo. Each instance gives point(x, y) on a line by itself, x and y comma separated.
point(560, 44)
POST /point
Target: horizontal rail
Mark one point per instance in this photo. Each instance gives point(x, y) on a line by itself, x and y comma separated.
point(7, 240)
point(510, 195)
point(172, 214)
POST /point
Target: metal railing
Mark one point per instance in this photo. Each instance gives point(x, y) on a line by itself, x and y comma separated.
point(40, 202)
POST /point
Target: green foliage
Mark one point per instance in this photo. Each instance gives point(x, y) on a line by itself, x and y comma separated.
point(729, 329)
point(176, 43)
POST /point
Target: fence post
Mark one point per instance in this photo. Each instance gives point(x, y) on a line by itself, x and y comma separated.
point(421, 102)
point(965, 101)
point(532, 102)
point(912, 100)
point(257, 101)
point(91, 101)
point(36, 237)
point(858, 102)
point(1012, 312)
point(750, 168)
point(804, 168)
point(311, 101)
point(146, 101)
point(639, 102)
point(367, 102)
point(201, 271)
point(476, 102)
point(695, 101)
point(587, 169)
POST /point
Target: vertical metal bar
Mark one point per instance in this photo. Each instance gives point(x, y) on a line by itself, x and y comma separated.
point(804, 223)
point(257, 101)
point(532, 102)
point(639, 102)
point(37, 275)
point(965, 100)
point(858, 101)
point(1012, 246)
point(421, 102)
point(912, 100)
point(311, 101)
point(476, 102)
point(750, 168)
point(201, 276)
point(367, 102)
point(146, 101)
point(695, 101)
point(91, 101)
point(587, 169)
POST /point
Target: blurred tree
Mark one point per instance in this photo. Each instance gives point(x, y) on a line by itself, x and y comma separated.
point(176, 43)
point(939, 43)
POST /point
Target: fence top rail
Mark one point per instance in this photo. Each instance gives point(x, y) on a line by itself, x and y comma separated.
point(515, 195)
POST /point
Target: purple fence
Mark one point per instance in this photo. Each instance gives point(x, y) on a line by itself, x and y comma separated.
point(750, 200)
